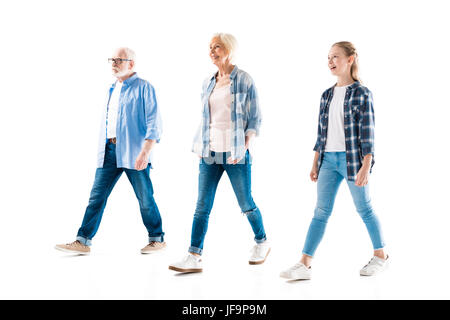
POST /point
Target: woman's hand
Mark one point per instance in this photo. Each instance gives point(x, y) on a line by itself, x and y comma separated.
point(314, 173)
point(248, 137)
point(231, 161)
point(235, 161)
point(362, 178)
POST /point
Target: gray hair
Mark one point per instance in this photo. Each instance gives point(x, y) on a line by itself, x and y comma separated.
point(229, 42)
point(128, 53)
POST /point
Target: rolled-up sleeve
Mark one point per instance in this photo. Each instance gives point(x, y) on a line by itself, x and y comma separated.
point(368, 126)
point(152, 114)
point(254, 112)
point(323, 102)
point(316, 146)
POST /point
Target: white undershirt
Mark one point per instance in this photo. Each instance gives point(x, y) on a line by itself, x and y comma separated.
point(220, 125)
point(113, 109)
point(336, 134)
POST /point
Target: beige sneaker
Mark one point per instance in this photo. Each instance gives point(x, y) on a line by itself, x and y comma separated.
point(153, 247)
point(74, 247)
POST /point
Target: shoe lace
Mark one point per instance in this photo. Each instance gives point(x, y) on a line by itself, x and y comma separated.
point(372, 262)
point(76, 243)
point(257, 249)
point(296, 266)
point(191, 257)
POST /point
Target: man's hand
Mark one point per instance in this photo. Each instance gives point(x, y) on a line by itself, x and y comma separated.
point(142, 160)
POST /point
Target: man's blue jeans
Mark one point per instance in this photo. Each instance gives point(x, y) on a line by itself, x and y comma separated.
point(211, 170)
point(105, 180)
point(331, 174)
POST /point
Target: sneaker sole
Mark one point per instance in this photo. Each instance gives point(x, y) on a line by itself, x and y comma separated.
point(153, 251)
point(72, 251)
point(293, 279)
point(184, 270)
point(261, 261)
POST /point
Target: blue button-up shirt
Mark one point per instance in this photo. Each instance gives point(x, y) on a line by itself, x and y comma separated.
point(359, 126)
point(245, 113)
point(138, 119)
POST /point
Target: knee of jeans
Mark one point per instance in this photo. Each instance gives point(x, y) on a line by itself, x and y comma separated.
point(201, 215)
point(147, 203)
point(202, 210)
point(249, 212)
point(365, 211)
point(322, 214)
point(96, 197)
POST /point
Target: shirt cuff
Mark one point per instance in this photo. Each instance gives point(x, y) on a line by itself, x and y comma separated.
point(367, 150)
point(153, 134)
point(316, 147)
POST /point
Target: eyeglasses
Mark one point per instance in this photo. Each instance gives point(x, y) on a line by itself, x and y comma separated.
point(117, 60)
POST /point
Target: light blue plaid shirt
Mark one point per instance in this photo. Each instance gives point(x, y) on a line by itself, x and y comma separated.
point(245, 113)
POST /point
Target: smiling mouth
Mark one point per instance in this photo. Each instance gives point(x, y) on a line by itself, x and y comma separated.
point(332, 68)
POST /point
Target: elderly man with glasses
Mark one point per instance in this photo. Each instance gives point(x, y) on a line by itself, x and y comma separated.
point(130, 127)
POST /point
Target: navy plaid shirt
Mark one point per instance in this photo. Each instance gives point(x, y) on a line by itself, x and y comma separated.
point(359, 125)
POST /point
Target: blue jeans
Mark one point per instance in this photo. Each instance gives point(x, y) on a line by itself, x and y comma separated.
point(331, 174)
point(105, 180)
point(211, 170)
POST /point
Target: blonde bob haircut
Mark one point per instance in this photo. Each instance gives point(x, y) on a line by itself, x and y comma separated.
point(230, 43)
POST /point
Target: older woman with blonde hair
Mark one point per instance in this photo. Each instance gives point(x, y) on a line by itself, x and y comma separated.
point(230, 119)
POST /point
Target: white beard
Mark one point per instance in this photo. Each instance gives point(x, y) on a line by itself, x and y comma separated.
point(120, 73)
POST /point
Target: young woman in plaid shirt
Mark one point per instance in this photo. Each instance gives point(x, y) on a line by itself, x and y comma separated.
point(344, 150)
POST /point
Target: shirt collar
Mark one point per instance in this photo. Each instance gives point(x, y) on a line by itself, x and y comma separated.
point(354, 85)
point(232, 74)
point(350, 87)
point(127, 82)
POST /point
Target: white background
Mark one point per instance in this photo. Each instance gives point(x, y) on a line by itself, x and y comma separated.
point(54, 77)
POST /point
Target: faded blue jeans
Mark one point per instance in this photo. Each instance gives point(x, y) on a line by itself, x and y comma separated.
point(211, 170)
point(331, 174)
point(105, 180)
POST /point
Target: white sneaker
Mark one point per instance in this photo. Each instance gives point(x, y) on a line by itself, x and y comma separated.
point(259, 253)
point(190, 263)
point(298, 272)
point(374, 266)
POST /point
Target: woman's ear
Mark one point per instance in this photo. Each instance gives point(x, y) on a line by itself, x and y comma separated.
point(351, 59)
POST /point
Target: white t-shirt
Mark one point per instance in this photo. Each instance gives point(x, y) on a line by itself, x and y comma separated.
point(113, 109)
point(220, 125)
point(336, 134)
